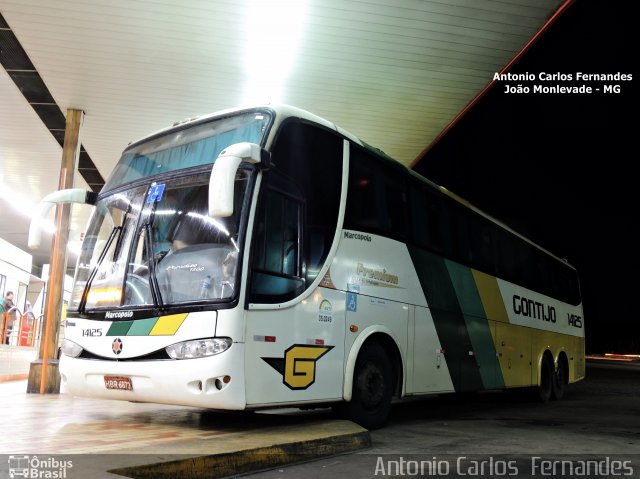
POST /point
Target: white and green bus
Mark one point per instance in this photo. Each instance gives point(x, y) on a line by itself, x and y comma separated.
point(264, 257)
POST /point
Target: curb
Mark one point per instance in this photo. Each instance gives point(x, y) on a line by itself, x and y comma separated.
point(249, 460)
point(13, 377)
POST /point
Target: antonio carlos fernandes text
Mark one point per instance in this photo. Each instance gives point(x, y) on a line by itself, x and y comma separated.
point(540, 467)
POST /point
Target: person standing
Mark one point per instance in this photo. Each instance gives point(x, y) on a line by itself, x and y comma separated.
point(9, 316)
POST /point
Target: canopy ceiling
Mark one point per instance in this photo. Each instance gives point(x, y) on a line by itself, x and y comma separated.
point(394, 73)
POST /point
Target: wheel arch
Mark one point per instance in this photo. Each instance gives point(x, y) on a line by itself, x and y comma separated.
point(390, 344)
point(545, 353)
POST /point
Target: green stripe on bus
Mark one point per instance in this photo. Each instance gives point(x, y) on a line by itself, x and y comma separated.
point(477, 325)
point(465, 288)
point(142, 327)
point(447, 318)
point(119, 328)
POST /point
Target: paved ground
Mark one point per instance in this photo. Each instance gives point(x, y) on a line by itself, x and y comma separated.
point(598, 417)
point(15, 360)
point(97, 436)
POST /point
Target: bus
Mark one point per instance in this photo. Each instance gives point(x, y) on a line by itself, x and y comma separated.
point(265, 257)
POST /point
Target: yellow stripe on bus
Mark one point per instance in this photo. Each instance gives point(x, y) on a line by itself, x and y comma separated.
point(490, 296)
point(168, 325)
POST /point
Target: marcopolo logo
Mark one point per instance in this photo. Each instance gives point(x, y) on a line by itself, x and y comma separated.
point(35, 467)
point(357, 236)
point(118, 314)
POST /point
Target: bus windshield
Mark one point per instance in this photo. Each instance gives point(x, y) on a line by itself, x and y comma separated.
point(150, 249)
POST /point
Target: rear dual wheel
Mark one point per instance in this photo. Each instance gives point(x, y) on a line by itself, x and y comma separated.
point(553, 381)
point(560, 380)
point(544, 390)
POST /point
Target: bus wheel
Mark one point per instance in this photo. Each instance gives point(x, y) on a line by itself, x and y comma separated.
point(559, 381)
point(372, 388)
point(543, 391)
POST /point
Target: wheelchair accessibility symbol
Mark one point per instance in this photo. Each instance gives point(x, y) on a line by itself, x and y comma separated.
point(352, 302)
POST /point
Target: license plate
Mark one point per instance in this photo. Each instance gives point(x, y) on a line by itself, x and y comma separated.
point(120, 383)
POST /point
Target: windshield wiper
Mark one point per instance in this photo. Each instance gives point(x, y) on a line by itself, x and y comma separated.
point(153, 281)
point(94, 271)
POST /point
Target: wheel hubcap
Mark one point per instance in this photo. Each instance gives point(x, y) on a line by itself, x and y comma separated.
point(371, 386)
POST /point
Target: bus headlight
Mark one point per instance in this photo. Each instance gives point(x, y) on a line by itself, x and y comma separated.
point(71, 349)
point(198, 348)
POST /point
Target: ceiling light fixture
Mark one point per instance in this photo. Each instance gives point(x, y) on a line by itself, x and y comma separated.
point(274, 31)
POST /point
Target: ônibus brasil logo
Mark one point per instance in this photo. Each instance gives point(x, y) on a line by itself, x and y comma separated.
point(26, 466)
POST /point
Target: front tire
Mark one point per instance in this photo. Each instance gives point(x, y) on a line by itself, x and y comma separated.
point(372, 388)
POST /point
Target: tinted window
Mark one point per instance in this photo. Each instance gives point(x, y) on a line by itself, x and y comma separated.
point(365, 199)
point(480, 230)
point(510, 260)
point(395, 203)
point(302, 188)
point(276, 255)
point(417, 211)
point(377, 197)
point(442, 225)
point(461, 235)
point(430, 222)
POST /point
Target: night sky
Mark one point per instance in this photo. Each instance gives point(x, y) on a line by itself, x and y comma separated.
point(558, 167)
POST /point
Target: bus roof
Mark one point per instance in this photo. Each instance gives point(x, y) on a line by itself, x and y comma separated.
point(283, 111)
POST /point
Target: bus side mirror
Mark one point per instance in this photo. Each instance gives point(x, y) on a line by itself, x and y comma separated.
point(71, 195)
point(223, 175)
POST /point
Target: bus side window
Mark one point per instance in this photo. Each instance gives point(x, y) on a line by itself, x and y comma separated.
point(277, 268)
point(377, 198)
point(437, 223)
point(481, 244)
point(309, 159)
point(431, 221)
point(396, 204)
point(418, 208)
point(461, 235)
point(508, 259)
point(365, 204)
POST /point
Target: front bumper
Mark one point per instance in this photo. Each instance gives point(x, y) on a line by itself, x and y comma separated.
point(187, 382)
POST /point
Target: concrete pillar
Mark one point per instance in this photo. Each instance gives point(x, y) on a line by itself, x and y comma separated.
point(44, 376)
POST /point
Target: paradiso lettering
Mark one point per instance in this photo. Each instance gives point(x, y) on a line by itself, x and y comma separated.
point(533, 309)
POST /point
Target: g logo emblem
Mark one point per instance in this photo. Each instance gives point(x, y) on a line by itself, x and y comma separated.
point(298, 368)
